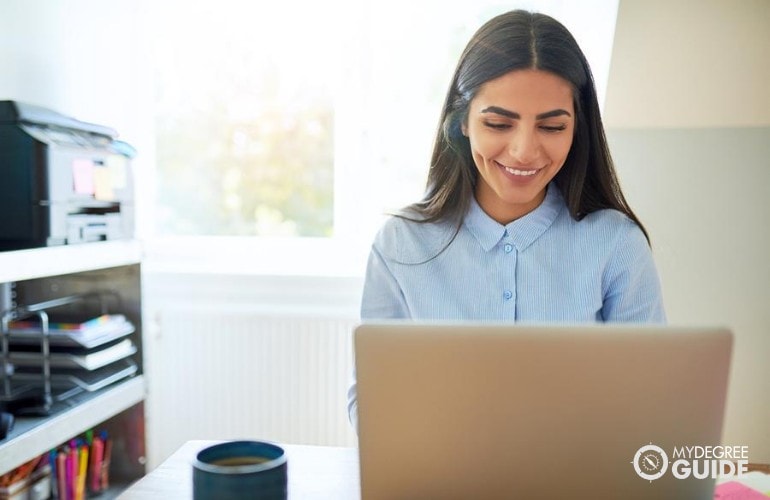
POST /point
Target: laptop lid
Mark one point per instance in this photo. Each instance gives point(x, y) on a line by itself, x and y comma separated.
point(502, 411)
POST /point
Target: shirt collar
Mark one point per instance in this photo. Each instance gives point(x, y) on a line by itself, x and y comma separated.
point(522, 232)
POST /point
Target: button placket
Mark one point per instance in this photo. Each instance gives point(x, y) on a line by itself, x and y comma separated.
point(509, 264)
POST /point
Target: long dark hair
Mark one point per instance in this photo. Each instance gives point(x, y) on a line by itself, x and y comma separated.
point(511, 41)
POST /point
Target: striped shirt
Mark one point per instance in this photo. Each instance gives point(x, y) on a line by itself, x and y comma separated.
point(543, 267)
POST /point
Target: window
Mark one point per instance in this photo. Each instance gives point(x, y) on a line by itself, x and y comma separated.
point(302, 119)
point(245, 120)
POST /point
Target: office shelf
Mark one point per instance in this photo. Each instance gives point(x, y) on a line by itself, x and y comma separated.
point(51, 274)
point(33, 436)
point(18, 265)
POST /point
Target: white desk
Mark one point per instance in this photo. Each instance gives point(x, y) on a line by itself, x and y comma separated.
point(315, 472)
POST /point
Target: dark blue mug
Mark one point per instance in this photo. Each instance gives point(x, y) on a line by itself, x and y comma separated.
point(236, 470)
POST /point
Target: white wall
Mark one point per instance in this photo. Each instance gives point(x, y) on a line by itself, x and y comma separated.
point(688, 118)
point(679, 63)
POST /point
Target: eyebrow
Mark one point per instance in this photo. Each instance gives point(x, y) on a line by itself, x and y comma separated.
point(513, 115)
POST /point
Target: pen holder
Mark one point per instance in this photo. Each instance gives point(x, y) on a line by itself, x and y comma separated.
point(237, 470)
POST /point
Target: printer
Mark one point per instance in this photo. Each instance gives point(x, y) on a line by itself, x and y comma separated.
point(62, 181)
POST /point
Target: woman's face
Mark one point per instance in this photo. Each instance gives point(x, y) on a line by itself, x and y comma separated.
point(520, 127)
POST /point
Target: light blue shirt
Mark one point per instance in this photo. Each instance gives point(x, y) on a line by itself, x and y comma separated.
point(543, 267)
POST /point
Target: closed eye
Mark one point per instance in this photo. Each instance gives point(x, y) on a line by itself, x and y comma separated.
point(553, 128)
point(497, 126)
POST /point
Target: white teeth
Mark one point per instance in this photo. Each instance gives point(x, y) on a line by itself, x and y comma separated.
point(519, 172)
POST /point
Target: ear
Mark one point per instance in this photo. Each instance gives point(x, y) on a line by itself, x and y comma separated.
point(464, 128)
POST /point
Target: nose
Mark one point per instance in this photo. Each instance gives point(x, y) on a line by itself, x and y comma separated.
point(525, 146)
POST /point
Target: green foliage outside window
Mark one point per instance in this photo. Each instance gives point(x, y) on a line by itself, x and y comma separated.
point(244, 130)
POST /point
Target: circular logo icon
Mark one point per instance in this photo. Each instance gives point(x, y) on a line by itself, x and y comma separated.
point(650, 462)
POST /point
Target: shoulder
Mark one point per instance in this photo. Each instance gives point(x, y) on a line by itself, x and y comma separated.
point(620, 238)
point(611, 224)
point(603, 232)
point(409, 241)
point(608, 218)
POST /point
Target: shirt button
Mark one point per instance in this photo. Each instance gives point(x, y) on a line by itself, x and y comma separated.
point(507, 295)
point(508, 248)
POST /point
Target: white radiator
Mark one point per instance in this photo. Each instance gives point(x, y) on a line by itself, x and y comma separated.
point(216, 373)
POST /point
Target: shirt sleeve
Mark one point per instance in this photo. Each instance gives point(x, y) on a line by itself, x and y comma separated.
point(353, 403)
point(382, 299)
point(382, 296)
point(632, 287)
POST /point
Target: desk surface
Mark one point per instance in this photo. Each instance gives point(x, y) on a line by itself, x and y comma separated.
point(330, 473)
point(315, 472)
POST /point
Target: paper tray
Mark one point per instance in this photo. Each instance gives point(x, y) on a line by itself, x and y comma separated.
point(86, 380)
point(113, 327)
point(84, 360)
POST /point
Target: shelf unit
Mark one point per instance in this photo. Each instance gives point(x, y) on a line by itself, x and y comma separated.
point(35, 275)
point(52, 261)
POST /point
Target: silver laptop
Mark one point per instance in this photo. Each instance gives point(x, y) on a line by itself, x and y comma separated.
point(480, 411)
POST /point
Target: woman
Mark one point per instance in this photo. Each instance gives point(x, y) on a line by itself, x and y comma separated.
point(523, 218)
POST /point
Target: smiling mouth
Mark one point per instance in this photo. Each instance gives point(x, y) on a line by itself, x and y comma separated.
point(515, 171)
